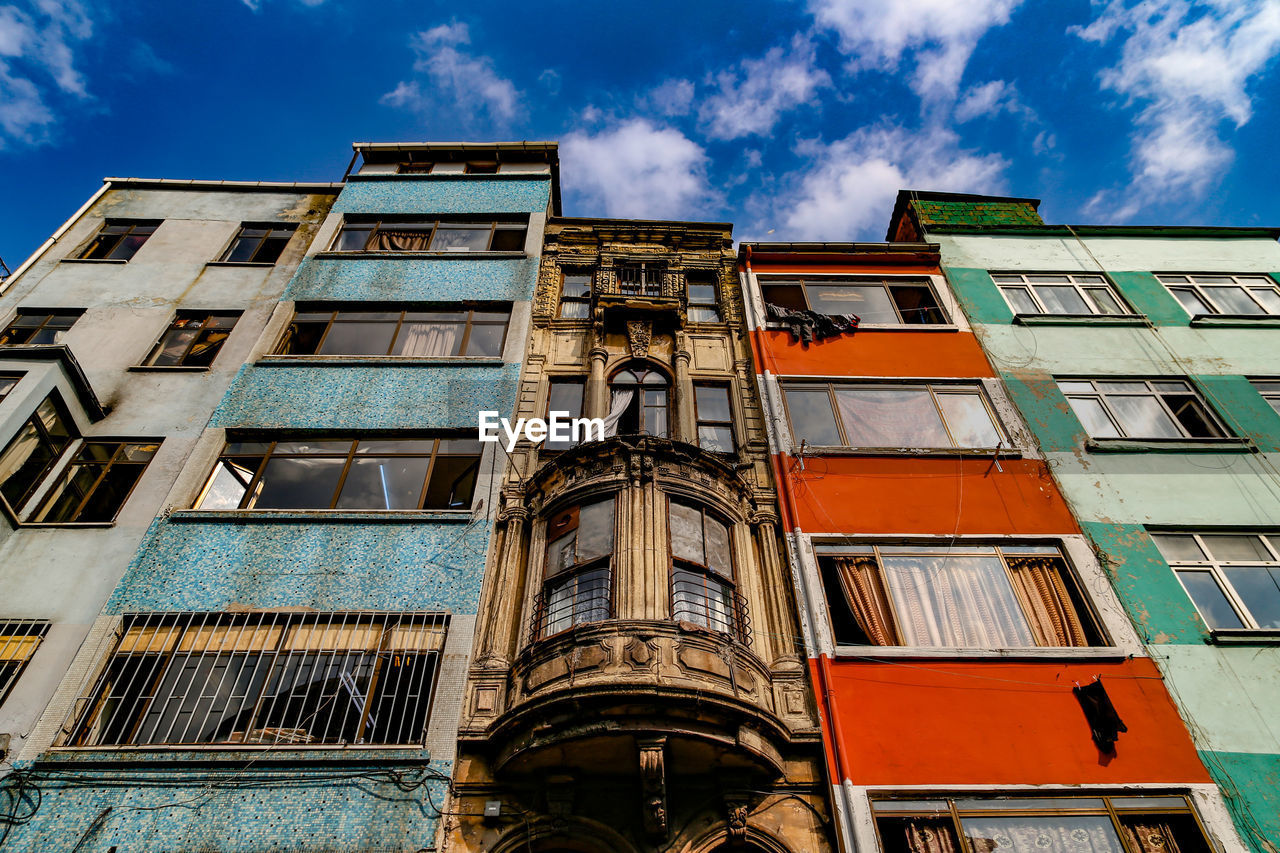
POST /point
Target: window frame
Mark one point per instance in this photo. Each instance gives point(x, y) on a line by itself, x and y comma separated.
point(431, 227)
point(699, 422)
point(739, 624)
point(9, 381)
point(271, 228)
point(468, 323)
point(1216, 569)
point(1190, 284)
point(250, 496)
point(543, 619)
point(66, 475)
point(553, 381)
point(703, 278)
point(69, 446)
point(82, 252)
point(1081, 288)
point(1270, 394)
point(583, 300)
point(203, 329)
point(49, 315)
point(640, 370)
point(648, 273)
point(33, 632)
point(886, 282)
point(1211, 417)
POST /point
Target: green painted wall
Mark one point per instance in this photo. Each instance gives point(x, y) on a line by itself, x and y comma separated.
point(1252, 785)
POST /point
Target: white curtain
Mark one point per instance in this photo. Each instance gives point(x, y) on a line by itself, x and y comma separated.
point(429, 340)
point(622, 398)
point(959, 601)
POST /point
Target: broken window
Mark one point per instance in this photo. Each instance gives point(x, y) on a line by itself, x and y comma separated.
point(890, 301)
point(702, 293)
point(119, 239)
point(94, 487)
point(408, 334)
point(957, 596)
point(265, 679)
point(577, 577)
point(638, 403)
point(39, 327)
point(575, 294)
point(1045, 293)
point(714, 418)
point(702, 579)
point(34, 451)
point(258, 244)
point(360, 234)
point(1140, 408)
point(342, 474)
point(192, 339)
point(19, 639)
point(1232, 295)
point(1070, 823)
point(1233, 578)
point(564, 396)
point(919, 415)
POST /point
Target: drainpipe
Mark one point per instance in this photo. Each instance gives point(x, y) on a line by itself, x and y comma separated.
point(44, 247)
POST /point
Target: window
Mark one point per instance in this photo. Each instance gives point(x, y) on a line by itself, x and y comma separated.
point(265, 679)
point(96, 484)
point(702, 587)
point(575, 294)
point(1233, 578)
point(192, 339)
point(640, 278)
point(704, 306)
point(8, 382)
point(1140, 408)
point(474, 168)
point(1240, 295)
point(1270, 391)
point(638, 403)
point(119, 240)
point(19, 639)
point(714, 418)
point(409, 235)
point(881, 301)
point(577, 585)
point(1069, 823)
point(409, 334)
point(1037, 293)
point(39, 327)
point(564, 396)
point(258, 244)
point(33, 452)
point(918, 415)
point(958, 596)
point(367, 474)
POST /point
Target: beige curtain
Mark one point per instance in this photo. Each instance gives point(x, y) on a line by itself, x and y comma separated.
point(1151, 835)
point(930, 836)
point(401, 241)
point(429, 340)
point(860, 579)
point(962, 601)
point(1039, 583)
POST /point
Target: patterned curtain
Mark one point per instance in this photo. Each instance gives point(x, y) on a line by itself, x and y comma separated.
point(863, 589)
point(401, 241)
point(930, 836)
point(1065, 834)
point(1039, 581)
point(1151, 835)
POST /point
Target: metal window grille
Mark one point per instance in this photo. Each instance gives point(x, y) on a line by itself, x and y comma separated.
point(19, 639)
point(640, 279)
point(584, 596)
point(706, 599)
point(269, 678)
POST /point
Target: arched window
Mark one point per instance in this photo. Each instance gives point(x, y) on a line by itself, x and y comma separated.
point(638, 403)
point(702, 578)
point(577, 586)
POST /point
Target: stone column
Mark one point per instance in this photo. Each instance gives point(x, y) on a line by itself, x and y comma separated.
point(596, 396)
point(685, 425)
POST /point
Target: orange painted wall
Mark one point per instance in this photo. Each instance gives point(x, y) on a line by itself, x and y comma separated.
point(873, 353)
point(895, 494)
point(992, 723)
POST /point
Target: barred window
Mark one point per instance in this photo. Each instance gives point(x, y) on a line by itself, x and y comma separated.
point(429, 235)
point(264, 679)
point(578, 582)
point(702, 579)
point(344, 474)
point(1044, 293)
point(436, 333)
point(19, 639)
point(640, 278)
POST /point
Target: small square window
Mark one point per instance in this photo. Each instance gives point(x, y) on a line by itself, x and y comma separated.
point(118, 240)
point(258, 244)
point(193, 339)
point(33, 326)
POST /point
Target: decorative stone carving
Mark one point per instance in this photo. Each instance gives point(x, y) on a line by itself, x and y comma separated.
point(639, 336)
point(653, 777)
point(736, 826)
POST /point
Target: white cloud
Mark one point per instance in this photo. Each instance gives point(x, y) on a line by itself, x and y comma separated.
point(1189, 68)
point(848, 191)
point(637, 170)
point(672, 98)
point(455, 78)
point(753, 97)
point(37, 65)
point(942, 34)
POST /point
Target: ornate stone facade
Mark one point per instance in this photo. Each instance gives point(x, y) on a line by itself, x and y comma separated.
point(638, 682)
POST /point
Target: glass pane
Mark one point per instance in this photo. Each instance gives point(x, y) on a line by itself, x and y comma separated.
point(1122, 387)
point(230, 479)
point(968, 420)
point(1047, 834)
point(1194, 305)
point(1048, 279)
point(395, 446)
point(358, 338)
point(1178, 548)
point(890, 417)
point(686, 533)
point(298, 483)
point(577, 284)
point(508, 239)
point(566, 398)
point(1031, 803)
point(380, 482)
point(560, 553)
point(595, 531)
point(456, 237)
point(916, 304)
point(955, 601)
point(173, 346)
point(353, 237)
point(715, 439)
point(1210, 599)
point(1152, 802)
point(713, 403)
point(719, 556)
point(703, 315)
point(244, 246)
point(702, 600)
point(575, 310)
point(811, 418)
point(1268, 297)
point(271, 248)
point(1074, 386)
point(1259, 589)
point(453, 482)
point(790, 295)
point(704, 294)
point(1233, 300)
point(910, 805)
point(1240, 548)
point(1062, 300)
point(486, 340)
point(205, 349)
point(1021, 300)
point(1143, 417)
point(109, 494)
point(1105, 301)
point(870, 302)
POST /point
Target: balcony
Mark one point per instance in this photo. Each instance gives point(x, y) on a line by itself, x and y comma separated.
point(639, 291)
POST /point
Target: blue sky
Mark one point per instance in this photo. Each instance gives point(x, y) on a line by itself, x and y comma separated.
point(794, 120)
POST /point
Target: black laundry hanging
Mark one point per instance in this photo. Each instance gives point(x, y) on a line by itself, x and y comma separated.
point(810, 326)
point(1104, 723)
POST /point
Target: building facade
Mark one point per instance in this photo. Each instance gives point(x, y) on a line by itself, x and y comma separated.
point(968, 655)
point(1144, 360)
point(637, 682)
point(281, 664)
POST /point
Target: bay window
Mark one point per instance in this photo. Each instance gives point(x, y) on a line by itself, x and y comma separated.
point(577, 586)
point(702, 577)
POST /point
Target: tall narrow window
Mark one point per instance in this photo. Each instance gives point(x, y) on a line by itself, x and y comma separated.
point(193, 339)
point(704, 304)
point(265, 679)
point(638, 403)
point(577, 585)
point(34, 451)
point(94, 487)
point(39, 327)
point(564, 397)
point(1140, 408)
point(19, 639)
point(940, 415)
point(702, 579)
point(258, 244)
point(119, 239)
point(714, 418)
point(575, 294)
point(404, 334)
point(640, 278)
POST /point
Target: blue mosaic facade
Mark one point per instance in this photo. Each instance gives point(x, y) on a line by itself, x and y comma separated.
point(414, 279)
point(417, 196)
